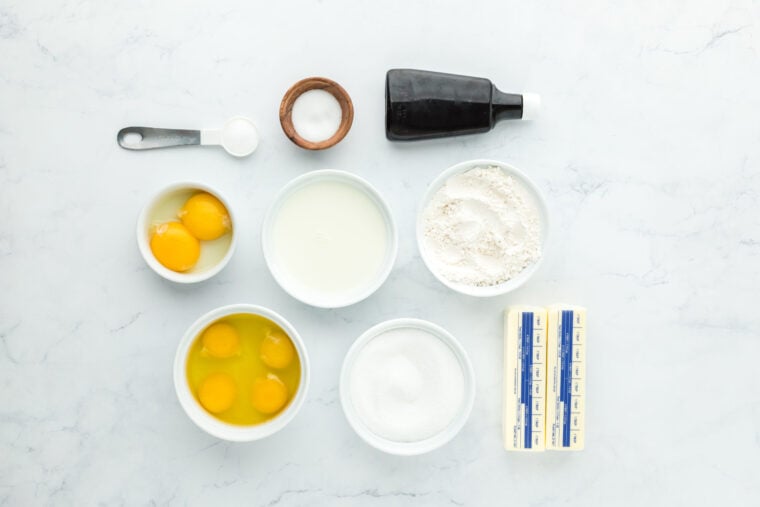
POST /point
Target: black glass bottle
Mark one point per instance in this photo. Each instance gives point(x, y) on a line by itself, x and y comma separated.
point(421, 104)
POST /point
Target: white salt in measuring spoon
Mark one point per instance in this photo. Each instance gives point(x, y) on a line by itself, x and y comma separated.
point(238, 137)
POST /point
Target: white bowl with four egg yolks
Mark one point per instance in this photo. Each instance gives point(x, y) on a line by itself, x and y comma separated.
point(214, 426)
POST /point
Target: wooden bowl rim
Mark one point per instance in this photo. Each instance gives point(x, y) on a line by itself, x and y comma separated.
point(316, 83)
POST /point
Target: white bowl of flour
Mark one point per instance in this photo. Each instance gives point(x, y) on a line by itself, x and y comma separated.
point(481, 228)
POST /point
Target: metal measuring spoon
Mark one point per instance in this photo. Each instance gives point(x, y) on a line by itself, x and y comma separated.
point(238, 137)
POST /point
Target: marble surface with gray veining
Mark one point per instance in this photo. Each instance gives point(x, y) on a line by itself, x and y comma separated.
point(648, 151)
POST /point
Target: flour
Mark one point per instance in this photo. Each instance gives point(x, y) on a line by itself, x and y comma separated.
point(482, 228)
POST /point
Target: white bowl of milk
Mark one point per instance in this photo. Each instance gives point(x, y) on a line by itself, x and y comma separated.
point(329, 239)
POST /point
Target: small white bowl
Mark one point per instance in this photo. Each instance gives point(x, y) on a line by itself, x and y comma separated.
point(428, 444)
point(209, 423)
point(144, 226)
point(532, 190)
point(328, 300)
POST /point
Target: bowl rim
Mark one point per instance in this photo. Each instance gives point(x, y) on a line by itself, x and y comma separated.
point(302, 181)
point(532, 189)
point(143, 230)
point(422, 446)
point(206, 421)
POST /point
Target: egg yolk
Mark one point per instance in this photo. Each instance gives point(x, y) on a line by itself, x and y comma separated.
point(174, 247)
point(277, 350)
point(205, 216)
point(217, 392)
point(268, 394)
point(221, 340)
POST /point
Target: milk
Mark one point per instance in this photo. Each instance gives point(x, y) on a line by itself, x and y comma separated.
point(329, 237)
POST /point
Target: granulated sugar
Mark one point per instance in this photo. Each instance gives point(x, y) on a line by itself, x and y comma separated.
point(482, 228)
point(407, 385)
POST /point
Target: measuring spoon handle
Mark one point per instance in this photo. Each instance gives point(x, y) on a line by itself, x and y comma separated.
point(150, 138)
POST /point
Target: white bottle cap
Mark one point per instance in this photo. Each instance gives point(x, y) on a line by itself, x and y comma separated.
point(531, 105)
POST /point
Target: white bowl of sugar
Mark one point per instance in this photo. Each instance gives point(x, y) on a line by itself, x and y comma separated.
point(482, 227)
point(407, 386)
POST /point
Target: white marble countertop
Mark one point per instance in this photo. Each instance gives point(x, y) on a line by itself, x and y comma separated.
point(647, 150)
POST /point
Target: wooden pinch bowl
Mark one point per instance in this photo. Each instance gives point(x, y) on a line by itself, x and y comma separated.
point(316, 83)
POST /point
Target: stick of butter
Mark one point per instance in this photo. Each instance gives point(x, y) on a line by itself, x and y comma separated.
point(566, 382)
point(524, 378)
